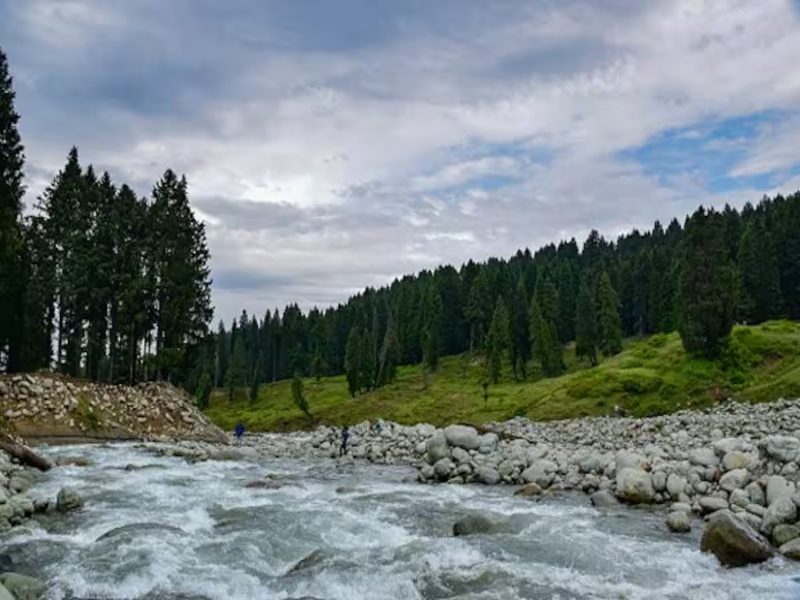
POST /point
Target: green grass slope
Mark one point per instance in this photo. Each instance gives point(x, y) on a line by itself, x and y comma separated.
point(651, 376)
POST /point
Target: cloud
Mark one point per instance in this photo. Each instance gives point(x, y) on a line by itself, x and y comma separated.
point(330, 146)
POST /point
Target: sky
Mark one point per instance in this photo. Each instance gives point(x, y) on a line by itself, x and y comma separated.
point(331, 146)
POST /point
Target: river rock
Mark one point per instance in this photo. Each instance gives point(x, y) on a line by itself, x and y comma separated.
point(5, 594)
point(133, 529)
point(736, 460)
point(443, 468)
point(437, 448)
point(733, 542)
point(22, 587)
point(68, 499)
point(541, 473)
point(488, 443)
point(462, 437)
point(603, 499)
point(791, 549)
point(711, 504)
point(703, 457)
point(629, 460)
point(309, 561)
point(678, 522)
point(783, 447)
point(782, 510)
point(785, 533)
point(777, 486)
point(593, 462)
point(739, 498)
point(487, 475)
point(473, 524)
point(734, 480)
point(676, 485)
point(529, 489)
point(756, 493)
point(460, 456)
point(635, 486)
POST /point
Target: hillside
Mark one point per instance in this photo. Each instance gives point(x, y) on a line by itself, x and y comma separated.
point(651, 376)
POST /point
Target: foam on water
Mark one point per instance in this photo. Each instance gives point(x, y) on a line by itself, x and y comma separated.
point(378, 538)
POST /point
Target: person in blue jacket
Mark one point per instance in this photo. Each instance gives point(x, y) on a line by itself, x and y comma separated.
point(345, 437)
point(239, 433)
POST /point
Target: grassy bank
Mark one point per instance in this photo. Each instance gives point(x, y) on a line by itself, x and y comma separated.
point(651, 376)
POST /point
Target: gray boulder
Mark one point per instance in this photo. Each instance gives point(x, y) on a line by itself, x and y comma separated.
point(603, 499)
point(739, 498)
point(132, 530)
point(22, 587)
point(756, 493)
point(461, 456)
point(462, 437)
point(529, 489)
point(488, 443)
point(711, 504)
point(678, 522)
point(736, 460)
point(791, 549)
point(487, 475)
point(784, 448)
point(629, 460)
point(443, 468)
point(784, 533)
point(541, 473)
point(635, 486)
point(437, 448)
point(676, 485)
point(783, 510)
point(777, 486)
point(5, 594)
point(704, 457)
point(68, 499)
point(734, 480)
point(593, 462)
point(734, 542)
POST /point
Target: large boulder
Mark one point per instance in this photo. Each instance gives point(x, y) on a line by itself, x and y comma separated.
point(710, 504)
point(437, 448)
point(462, 437)
point(541, 473)
point(488, 443)
point(603, 499)
point(784, 448)
point(593, 462)
point(785, 533)
point(133, 530)
point(22, 587)
point(68, 499)
point(756, 493)
point(529, 489)
point(791, 549)
point(736, 460)
point(635, 486)
point(629, 460)
point(734, 542)
point(734, 480)
point(678, 522)
point(676, 485)
point(782, 510)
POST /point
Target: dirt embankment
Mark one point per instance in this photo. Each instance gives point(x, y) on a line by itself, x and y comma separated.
point(48, 408)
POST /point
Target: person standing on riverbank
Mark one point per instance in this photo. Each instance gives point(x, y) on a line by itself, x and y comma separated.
point(345, 437)
point(239, 433)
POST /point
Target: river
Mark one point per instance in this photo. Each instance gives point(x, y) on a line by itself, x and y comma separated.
point(370, 533)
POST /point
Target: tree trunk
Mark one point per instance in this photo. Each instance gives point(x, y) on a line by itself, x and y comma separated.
point(24, 454)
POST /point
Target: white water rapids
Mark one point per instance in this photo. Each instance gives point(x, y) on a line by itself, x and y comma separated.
point(373, 536)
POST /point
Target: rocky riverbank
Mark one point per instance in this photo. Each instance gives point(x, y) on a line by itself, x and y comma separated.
point(53, 408)
point(737, 461)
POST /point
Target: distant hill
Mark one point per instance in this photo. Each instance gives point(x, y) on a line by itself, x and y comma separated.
point(652, 375)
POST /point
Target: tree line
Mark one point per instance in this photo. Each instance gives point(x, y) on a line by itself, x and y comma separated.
point(517, 315)
point(97, 282)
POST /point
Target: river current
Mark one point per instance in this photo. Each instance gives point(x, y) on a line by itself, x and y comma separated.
point(194, 531)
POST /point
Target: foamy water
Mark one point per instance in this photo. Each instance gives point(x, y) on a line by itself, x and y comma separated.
point(373, 537)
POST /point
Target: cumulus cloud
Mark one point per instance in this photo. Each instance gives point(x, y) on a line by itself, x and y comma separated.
point(330, 148)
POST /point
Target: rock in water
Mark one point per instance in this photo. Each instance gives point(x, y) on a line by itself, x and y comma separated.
point(132, 529)
point(733, 542)
point(473, 524)
point(782, 510)
point(791, 549)
point(308, 562)
point(785, 533)
point(443, 468)
point(603, 499)
point(68, 499)
point(678, 521)
point(529, 489)
point(462, 436)
point(22, 587)
point(635, 486)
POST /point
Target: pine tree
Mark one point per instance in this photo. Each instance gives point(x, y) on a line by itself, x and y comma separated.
point(544, 342)
point(203, 394)
point(255, 380)
point(431, 332)
point(707, 285)
point(352, 360)
point(387, 369)
point(498, 341)
point(479, 307)
point(586, 323)
point(12, 190)
point(759, 276)
point(236, 377)
point(609, 327)
point(520, 334)
point(298, 397)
